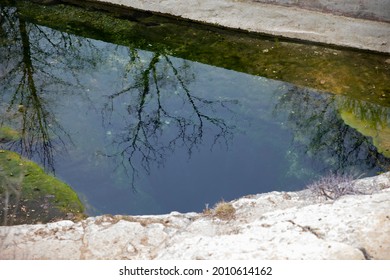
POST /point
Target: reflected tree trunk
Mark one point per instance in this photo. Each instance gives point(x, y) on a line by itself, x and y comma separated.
point(34, 117)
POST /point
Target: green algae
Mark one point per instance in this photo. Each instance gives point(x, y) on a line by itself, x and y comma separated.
point(8, 134)
point(29, 195)
point(361, 75)
point(370, 120)
point(380, 137)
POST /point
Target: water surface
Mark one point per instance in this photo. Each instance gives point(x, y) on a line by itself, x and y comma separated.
point(143, 131)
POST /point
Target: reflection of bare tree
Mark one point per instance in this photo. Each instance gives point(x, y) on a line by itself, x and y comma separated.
point(30, 64)
point(160, 121)
point(33, 114)
point(163, 113)
point(320, 133)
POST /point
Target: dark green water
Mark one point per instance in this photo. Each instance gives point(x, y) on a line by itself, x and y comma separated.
point(142, 126)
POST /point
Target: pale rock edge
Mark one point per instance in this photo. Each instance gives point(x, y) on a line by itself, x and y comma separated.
point(288, 22)
point(274, 226)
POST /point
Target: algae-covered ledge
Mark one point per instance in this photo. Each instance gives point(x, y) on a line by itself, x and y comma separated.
point(29, 195)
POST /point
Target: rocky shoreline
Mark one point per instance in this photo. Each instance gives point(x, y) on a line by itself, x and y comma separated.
point(277, 225)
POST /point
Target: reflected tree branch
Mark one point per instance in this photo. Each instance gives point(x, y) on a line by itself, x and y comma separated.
point(161, 121)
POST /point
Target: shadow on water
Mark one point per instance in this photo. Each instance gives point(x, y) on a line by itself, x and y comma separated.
point(136, 126)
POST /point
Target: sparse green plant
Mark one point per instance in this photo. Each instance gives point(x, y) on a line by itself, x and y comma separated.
point(333, 186)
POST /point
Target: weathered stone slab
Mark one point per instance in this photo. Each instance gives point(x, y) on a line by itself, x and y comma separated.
point(369, 9)
point(289, 22)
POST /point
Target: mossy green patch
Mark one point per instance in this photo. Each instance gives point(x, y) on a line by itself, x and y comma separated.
point(379, 132)
point(8, 134)
point(369, 119)
point(29, 195)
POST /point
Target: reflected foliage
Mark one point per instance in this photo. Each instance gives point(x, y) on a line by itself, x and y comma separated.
point(320, 133)
point(369, 119)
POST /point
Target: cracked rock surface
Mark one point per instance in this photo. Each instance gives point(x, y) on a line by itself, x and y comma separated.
point(296, 225)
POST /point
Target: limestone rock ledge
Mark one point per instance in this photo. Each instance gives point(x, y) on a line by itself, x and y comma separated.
point(277, 225)
point(289, 22)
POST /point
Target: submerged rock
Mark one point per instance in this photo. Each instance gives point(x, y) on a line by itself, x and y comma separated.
point(296, 225)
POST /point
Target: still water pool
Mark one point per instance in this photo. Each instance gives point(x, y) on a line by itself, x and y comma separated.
point(140, 131)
